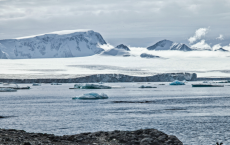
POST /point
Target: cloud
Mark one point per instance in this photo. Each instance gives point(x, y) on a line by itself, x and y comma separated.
point(106, 46)
point(221, 37)
point(115, 19)
point(226, 47)
point(198, 35)
point(215, 47)
point(201, 45)
point(218, 46)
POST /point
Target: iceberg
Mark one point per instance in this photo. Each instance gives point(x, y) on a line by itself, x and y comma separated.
point(90, 86)
point(176, 82)
point(91, 96)
point(56, 84)
point(36, 84)
point(7, 90)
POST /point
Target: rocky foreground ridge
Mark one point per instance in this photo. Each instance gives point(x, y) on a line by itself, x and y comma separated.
point(165, 77)
point(138, 137)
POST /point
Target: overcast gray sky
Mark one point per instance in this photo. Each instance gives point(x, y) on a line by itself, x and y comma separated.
point(137, 22)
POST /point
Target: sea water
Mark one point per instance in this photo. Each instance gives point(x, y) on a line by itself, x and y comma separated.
point(194, 115)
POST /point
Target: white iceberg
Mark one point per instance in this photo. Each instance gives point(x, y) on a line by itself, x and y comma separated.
point(90, 86)
point(176, 82)
point(91, 96)
point(7, 90)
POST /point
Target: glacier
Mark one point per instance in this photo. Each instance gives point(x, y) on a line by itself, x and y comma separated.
point(67, 43)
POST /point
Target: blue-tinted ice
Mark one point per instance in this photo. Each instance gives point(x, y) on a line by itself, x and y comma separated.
point(91, 96)
point(176, 82)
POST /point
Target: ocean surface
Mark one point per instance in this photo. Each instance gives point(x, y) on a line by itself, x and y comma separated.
point(197, 116)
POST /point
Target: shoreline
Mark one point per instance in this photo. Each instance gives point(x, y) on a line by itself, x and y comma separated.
point(137, 137)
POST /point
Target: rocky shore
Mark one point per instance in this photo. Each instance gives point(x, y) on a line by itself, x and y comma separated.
point(138, 137)
point(165, 77)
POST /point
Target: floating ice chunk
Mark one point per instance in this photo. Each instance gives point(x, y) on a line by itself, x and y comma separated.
point(142, 86)
point(91, 96)
point(176, 82)
point(56, 84)
point(7, 90)
point(90, 86)
point(36, 84)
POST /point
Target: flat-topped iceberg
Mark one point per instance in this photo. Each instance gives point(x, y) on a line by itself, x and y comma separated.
point(91, 96)
point(90, 86)
point(176, 82)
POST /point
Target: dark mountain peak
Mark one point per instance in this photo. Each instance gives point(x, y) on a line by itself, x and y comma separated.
point(221, 49)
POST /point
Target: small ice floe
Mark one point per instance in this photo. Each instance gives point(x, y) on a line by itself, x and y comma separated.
point(176, 82)
point(225, 81)
point(91, 96)
point(36, 84)
point(7, 90)
point(6, 84)
point(142, 86)
point(56, 84)
point(18, 87)
point(90, 86)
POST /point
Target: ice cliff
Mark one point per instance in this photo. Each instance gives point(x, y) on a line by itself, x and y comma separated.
point(59, 44)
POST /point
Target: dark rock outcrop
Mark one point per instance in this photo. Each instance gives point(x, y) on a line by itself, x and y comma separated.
point(122, 46)
point(165, 77)
point(138, 137)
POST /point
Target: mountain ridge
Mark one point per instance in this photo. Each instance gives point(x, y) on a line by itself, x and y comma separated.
point(169, 45)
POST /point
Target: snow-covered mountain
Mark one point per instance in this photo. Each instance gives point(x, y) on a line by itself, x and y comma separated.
point(120, 50)
point(116, 52)
point(68, 43)
point(122, 46)
point(169, 45)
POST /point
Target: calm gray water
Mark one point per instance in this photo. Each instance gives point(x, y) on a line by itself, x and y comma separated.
point(197, 116)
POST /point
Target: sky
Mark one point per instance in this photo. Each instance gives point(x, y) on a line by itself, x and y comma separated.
point(137, 23)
